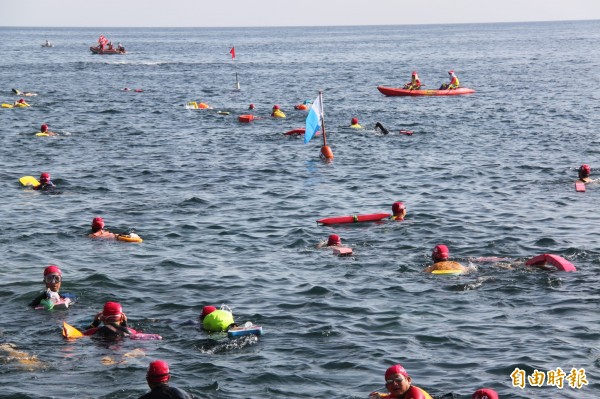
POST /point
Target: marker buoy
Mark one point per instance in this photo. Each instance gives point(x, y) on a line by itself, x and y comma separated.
point(326, 152)
point(245, 118)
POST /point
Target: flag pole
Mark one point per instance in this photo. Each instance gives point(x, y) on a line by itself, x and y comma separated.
point(325, 150)
point(237, 81)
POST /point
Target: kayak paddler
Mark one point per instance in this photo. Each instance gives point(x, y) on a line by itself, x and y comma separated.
point(454, 83)
point(415, 82)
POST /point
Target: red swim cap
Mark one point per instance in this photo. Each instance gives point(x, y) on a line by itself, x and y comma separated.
point(397, 207)
point(112, 312)
point(354, 121)
point(440, 253)
point(395, 369)
point(44, 128)
point(97, 224)
point(333, 240)
point(275, 107)
point(45, 177)
point(584, 170)
point(206, 311)
point(21, 101)
point(251, 106)
point(485, 393)
point(52, 270)
point(158, 371)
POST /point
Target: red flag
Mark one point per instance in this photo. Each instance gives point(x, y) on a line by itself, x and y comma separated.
point(232, 52)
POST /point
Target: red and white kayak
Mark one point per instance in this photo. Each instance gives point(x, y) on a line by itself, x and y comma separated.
point(395, 92)
point(96, 50)
point(373, 217)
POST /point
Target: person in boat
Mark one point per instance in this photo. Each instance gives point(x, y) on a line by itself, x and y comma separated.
point(44, 129)
point(21, 103)
point(216, 320)
point(110, 323)
point(399, 385)
point(277, 112)
point(45, 183)
point(485, 393)
point(48, 43)
point(51, 295)
point(354, 124)
point(120, 48)
point(398, 211)
point(415, 82)
point(440, 256)
point(454, 83)
point(584, 174)
point(20, 93)
point(99, 232)
point(157, 377)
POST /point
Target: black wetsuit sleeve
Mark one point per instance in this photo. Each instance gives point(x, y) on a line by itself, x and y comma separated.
point(38, 299)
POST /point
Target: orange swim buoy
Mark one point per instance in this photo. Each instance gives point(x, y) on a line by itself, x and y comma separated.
point(301, 107)
point(245, 118)
point(326, 152)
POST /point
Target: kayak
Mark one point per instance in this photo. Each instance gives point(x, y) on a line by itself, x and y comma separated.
point(373, 217)
point(394, 92)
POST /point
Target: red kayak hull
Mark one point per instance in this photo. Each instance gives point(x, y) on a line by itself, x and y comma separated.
point(354, 218)
point(395, 92)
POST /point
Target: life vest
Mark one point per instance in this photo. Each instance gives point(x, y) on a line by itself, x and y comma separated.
point(454, 82)
point(218, 320)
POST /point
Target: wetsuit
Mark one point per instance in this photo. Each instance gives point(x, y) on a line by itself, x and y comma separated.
point(379, 126)
point(109, 331)
point(45, 187)
point(163, 391)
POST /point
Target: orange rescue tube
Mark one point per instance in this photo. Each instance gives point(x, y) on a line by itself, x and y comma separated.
point(245, 118)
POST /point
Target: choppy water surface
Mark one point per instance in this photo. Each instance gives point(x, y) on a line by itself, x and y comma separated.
point(228, 210)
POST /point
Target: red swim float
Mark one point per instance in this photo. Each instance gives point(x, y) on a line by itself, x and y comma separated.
point(245, 118)
point(558, 262)
point(373, 217)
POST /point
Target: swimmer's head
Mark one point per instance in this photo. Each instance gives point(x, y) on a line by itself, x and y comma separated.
point(251, 106)
point(97, 224)
point(158, 372)
point(44, 177)
point(52, 269)
point(334, 240)
point(440, 253)
point(451, 73)
point(485, 393)
point(584, 171)
point(21, 101)
point(354, 121)
point(395, 369)
point(206, 311)
point(398, 207)
point(275, 107)
point(44, 128)
point(112, 312)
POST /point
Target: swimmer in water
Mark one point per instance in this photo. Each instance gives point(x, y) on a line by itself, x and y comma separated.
point(399, 385)
point(45, 183)
point(158, 377)
point(52, 280)
point(44, 129)
point(398, 210)
point(110, 323)
point(99, 232)
point(584, 174)
point(354, 124)
point(440, 256)
point(485, 393)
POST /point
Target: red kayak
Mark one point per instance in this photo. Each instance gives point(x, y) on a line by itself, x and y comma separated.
point(373, 217)
point(394, 92)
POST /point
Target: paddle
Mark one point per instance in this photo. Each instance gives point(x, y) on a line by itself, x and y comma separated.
point(29, 181)
point(71, 332)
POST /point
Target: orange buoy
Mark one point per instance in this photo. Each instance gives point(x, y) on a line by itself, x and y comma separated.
point(245, 118)
point(326, 152)
point(301, 107)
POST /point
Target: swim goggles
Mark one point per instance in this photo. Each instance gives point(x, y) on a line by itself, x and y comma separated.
point(394, 381)
point(52, 278)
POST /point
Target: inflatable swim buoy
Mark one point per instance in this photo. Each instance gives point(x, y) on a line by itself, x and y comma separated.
point(554, 260)
point(278, 114)
point(5, 105)
point(245, 118)
point(356, 126)
point(131, 237)
point(301, 107)
point(191, 105)
point(223, 113)
point(354, 218)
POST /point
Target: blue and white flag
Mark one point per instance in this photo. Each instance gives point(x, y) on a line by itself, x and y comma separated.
point(313, 120)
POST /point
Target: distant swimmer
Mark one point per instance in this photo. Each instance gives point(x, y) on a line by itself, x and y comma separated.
point(398, 210)
point(454, 83)
point(21, 103)
point(157, 377)
point(216, 320)
point(277, 112)
point(442, 265)
point(380, 128)
point(51, 296)
point(45, 132)
point(415, 82)
point(251, 106)
point(110, 323)
point(45, 183)
point(584, 174)
point(485, 393)
point(399, 385)
point(333, 240)
point(20, 93)
point(99, 232)
point(354, 124)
